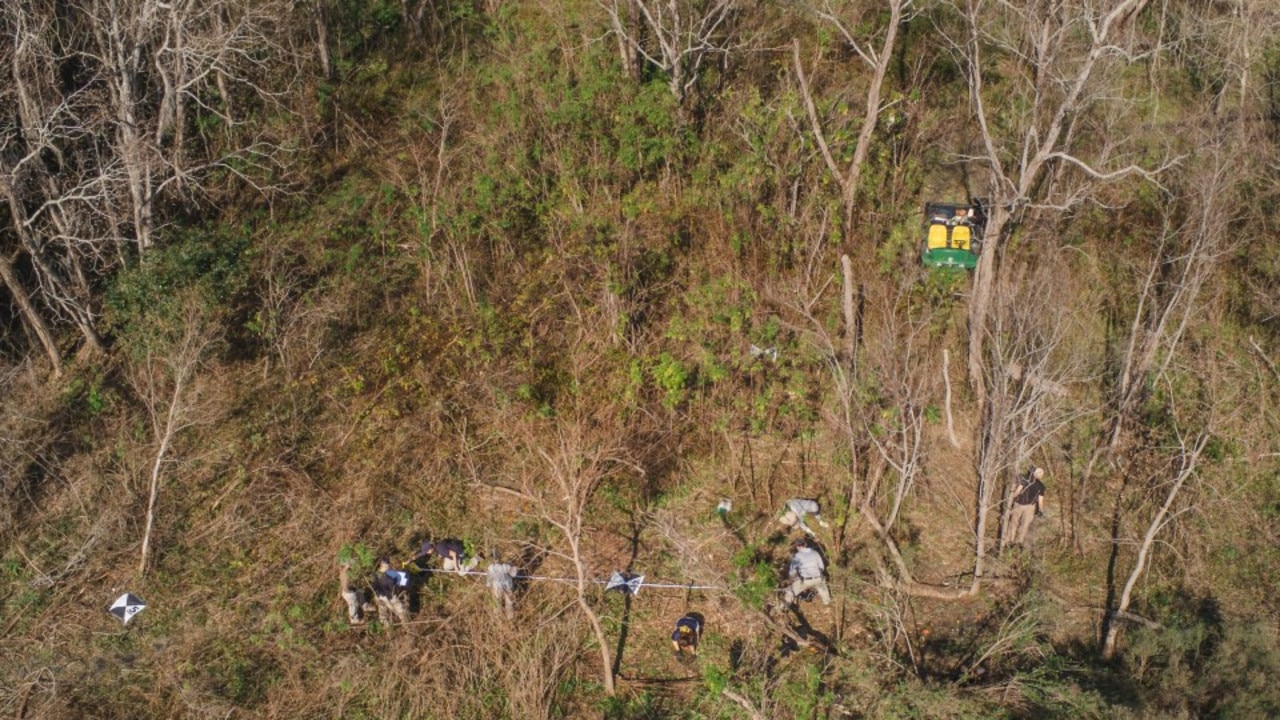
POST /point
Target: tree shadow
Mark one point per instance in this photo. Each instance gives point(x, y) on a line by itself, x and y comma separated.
point(813, 639)
point(734, 530)
point(1115, 686)
point(624, 630)
point(1113, 558)
point(737, 651)
point(529, 559)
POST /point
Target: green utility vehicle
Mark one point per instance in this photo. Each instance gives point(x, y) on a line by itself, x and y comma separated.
point(953, 234)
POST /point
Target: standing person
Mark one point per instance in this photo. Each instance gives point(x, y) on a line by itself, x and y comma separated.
point(686, 636)
point(388, 594)
point(797, 509)
point(501, 579)
point(806, 571)
point(979, 213)
point(1028, 504)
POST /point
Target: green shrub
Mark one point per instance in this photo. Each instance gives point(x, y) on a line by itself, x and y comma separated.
point(759, 585)
point(672, 379)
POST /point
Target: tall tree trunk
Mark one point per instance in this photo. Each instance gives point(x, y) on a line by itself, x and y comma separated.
point(154, 493)
point(851, 329)
point(597, 629)
point(1110, 628)
point(322, 40)
point(29, 314)
point(984, 292)
point(871, 115)
point(850, 178)
point(1015, 186)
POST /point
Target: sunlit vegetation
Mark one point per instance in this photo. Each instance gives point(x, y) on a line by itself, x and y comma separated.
point(289, 286)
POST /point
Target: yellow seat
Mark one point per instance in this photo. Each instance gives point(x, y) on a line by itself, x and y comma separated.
point(937, 236)
point(960, 236)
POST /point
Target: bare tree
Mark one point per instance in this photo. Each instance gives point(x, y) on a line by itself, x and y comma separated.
point(119, 108)
point(885, 423)
point(1030, 370)
point(1194, 238)
point(575, 457)
point(900, 358)
point(839, 16)
point(1035, 154)
point(676, 36)
point(167, 380)
point(1033, 361)
point(188, 54)
point(1224, 42)
point(321, 24)
point(1187, 458)
point(1195, 235)
point(48, 196)
point(29, 313)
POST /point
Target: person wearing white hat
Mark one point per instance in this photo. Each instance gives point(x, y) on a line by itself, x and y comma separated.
point(1028, 503)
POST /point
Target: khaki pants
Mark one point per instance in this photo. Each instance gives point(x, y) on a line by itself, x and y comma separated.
point(392, 608)
point(506, 598)
point(792, 520)
point(1020, 522)
point(448, 564)
point(352, 599)
point(800, 585)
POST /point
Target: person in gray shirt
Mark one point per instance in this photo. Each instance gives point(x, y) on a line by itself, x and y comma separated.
point(806, 572)
point(501, 579)
point(797, 509)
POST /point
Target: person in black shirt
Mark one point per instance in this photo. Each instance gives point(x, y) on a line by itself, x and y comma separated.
point(450, 552)
point(388, 592)
point(1027, 504)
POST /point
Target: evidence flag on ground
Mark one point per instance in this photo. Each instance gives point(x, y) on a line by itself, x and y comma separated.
point(126, 606)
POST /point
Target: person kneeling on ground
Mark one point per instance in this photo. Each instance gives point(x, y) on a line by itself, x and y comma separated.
point(686, 636)
point(388, 592)
point(797, 509)
point(806, 573)
point(450, 551)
